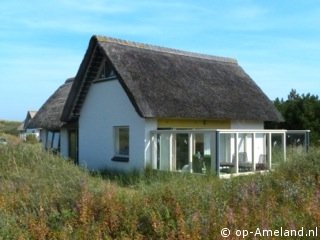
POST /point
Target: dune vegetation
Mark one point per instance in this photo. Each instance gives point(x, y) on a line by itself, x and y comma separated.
point(45, 197)
point(9, 127)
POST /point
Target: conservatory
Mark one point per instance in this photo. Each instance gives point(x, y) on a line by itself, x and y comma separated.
point(224, 152)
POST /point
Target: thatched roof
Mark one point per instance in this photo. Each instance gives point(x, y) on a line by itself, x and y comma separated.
point(49, 114)
point(168, 83)
point(24, 125)
point(31, 114)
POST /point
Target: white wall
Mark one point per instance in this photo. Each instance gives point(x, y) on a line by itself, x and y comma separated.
point(107, 105)
point(247, 124)
point(150, 124)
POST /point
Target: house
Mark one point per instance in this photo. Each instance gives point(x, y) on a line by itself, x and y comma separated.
point(53, 134)
point(24, 130)
point(136, 105)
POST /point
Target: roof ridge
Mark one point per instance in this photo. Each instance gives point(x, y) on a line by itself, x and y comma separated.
point(165, 49)
point(69, 80)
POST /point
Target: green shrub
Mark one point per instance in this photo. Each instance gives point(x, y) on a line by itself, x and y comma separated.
point(9, 127)
point(45, 197)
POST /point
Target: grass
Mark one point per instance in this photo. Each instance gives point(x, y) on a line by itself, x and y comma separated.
point(9, 127)
point(45, 197)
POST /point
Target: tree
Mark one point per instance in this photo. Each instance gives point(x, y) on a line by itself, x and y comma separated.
point(299, 112)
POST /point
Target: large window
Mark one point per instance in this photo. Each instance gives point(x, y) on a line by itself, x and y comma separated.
point(122, 141)
point(53, 141)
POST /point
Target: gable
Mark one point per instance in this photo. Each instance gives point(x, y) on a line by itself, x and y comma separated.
point(167, 83)
point(48, 116)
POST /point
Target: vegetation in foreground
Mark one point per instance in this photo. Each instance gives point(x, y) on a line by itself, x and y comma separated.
point(9, 127)
point(44, 197)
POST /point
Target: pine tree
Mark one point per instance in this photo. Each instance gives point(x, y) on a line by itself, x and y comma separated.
point(299, 112)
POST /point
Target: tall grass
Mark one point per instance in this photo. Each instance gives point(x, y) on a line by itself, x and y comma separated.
point(45, 197)
point(9, 127)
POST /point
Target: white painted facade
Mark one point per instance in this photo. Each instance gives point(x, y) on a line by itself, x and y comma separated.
point(108, 106)
point(247, 125)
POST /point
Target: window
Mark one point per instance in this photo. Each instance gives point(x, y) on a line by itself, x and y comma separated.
point(122, 141)
point(105, 71)
point(53, 141)
point(56, 141)
point(49, 140)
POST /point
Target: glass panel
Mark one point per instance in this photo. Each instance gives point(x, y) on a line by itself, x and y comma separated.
point(198, 162)
point(244, 152)
point(277, 150)
point(56, 141)
point(105, 71)
point(296, 142)
point(123, 141)
point(260, 148)
point(49, 140)
point(207, 151)
point(207, 143)
point(182, 152)
point(163, 154)
point(226, 151)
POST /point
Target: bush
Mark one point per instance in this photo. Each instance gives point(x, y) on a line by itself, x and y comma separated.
point(45, 197)
point(9, 127)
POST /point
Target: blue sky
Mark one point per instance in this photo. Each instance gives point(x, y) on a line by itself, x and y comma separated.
point(42, 43)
